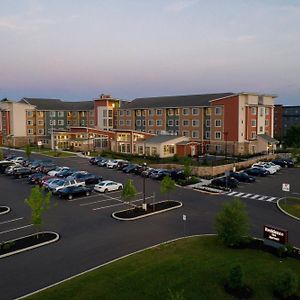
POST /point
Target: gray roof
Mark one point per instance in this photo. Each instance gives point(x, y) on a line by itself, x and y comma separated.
point(57, 104)
point(268, 138)
point(175, 101)
point(160, 139)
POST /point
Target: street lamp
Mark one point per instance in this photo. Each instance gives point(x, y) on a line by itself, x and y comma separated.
point(144, 187)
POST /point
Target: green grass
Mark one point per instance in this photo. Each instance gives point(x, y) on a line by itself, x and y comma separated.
point(195, 267)
point(57, 153)
point(291, 205)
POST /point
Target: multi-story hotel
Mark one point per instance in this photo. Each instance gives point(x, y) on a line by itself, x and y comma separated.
point(225, 122)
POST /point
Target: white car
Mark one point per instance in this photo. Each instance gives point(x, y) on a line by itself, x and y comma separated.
point(54, 187)
point(277, 167)
point(108, 186)
point(58, 169)
point(112, 164)
point(18, 159)
point(268, 168)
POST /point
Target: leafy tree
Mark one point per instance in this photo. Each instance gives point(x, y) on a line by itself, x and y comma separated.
point(286, 284)
point(28, 151)
point(167, 185)
point(235, 279)
point(232, 223)
point(187, 169)
point(39, 203)
point(129, 191)
point(292, 138)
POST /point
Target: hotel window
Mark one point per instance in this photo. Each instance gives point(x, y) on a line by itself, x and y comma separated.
point(158, 112)
point(110, 122)
point(138, 123)
point(144, 123)
point(138, 112)
point(158, 122)
point(52, 113)
point(185, 111)
point(267, 110)
point(29, 122)
point(143, 112)
point(195, 111)
point(30, 131)
point(218, 135)
point(253, 135)
point(52, 122)
point(41, 122)
point(82, 123)
point(195, 123)
point(218, 123)
point(170, 112)
point(218, 110)
point(267, 122)
point(261, 129)
point(41, 131)
point(151, 122)
point(186, 133)
point(207, 134)
point(262, 111)
point(151, 112)
point(104, 113)
point(176, 111)
point(218, 148)
point(121, 113)
point(60, 114)
point(185, 123)
point(170, 122)
point(253, 110)
point(253, 123)
point(207, 123)
point(29, 113)
point(92, 122)
point(41, 114)
point(69, 122)
point(121, 122)
point(208, 111)
point(128, 112)
point(176, 122)
point(61, 122)
point(195, 134)
point(110, 113)
point(128, 122)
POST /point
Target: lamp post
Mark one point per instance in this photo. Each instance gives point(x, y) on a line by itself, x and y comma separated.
point(144, 188)
point(225, 137)
point(52, 137)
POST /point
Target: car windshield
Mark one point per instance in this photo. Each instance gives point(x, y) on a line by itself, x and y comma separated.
point(59, 182)
point(103, 183)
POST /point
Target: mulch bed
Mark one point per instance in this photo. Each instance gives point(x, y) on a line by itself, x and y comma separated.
point(138, 211)
point(22, 243)
point(3, 209)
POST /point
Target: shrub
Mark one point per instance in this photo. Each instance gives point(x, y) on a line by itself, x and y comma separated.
point(286, 284)
point(235, 278)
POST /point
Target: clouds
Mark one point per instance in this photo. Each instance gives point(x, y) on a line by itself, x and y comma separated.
point(178, 6)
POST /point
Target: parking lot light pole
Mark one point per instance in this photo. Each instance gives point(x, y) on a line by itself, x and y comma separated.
point(144, 188)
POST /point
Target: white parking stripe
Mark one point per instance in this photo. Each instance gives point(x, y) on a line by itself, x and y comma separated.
point(12, 220)
point(86, 197)
point(15, 229)
point(271, 199)
point(247, 195)
point(91, 203)
point(239, 195)
point(263, 198)
point(255, 196)
point(232, 193)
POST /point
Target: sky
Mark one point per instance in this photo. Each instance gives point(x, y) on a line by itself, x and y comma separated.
point(79, 49)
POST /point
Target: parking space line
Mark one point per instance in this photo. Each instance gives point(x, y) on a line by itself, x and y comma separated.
point(271, 199)
point(91, 203)
point(232, 193)
point(12, 220)
point(15, 229)
point(239, 194)
point(247, 195)
point(86, 197)
point(255, 196)
point(262, 198)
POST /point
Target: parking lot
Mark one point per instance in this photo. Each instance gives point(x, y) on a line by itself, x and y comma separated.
point(90, 236)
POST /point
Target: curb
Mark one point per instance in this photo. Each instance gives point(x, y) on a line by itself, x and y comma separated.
point(206, 192)
point(112, 261)
point(147, 215)
point(7, 210)
point(283, 211)
point(31, 247)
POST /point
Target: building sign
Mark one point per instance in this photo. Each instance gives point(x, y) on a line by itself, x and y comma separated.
point(286, 187)
point(184, 217)
point(275, 234)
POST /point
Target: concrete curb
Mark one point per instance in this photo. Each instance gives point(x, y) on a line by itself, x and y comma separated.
point(283, 211)
point(147, 215)
point(7, 210)
point(31, 247)
point(114, 260)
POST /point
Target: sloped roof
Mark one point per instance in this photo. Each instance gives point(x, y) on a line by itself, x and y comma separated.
point(175, 101)
point(58, 104)
point(161, 139)
point(268, 138)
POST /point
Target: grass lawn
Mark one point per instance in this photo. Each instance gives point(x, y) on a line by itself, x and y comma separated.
point(57, 153)
point(291, 205)
point(194, 267)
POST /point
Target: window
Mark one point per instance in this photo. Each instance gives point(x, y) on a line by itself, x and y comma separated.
point(110, 113)
point(218, 110)
point(170, 112)
point(158, 122)
point(185, 111)
point(29, 122)
point(138, 112)
point(121, 122)
point(267, 110)
point(91, 113)
point(218, 135)
point(128, 112)
point(170, 123)
point(41, 122)
point(186, 133)
point(128, 122)
point(29, 113)
point(158, 112)
point(151, 122)
point(151, 112)
point(195, 111)
point(208, 111)
point(52, 113)
point(176, 111)
point(138, 123)
point(41, 131)
point(60, 122)
point(195, 123)
point(218, 148)
point(185, 122)
point(41, 114)
point(253, 123)
point(82, 123)
point(261, 129)
point(92, 122)
point(195, 134)
point(53, 122)
point(253, 135)
point(207, 135)
point(121, 113)
point(253, 110)
point(207, 123)
point(176, 122)
point(262, 111)
point(144, 123)
point(267, 122)
point(60, 114)
point(104, 113)
point(30, 131)
point(218, 123)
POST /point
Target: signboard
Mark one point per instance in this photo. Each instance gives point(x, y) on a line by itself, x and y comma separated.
point(275, 234)
point(286, 187)
point(40, 143)
point(184, 217)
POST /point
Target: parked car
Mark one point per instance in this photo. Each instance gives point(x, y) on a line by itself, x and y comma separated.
point(77, 175)
point(27, 162)
point(228, 182)
point(102, 162)
point(122, 164)
point(177, 175)
point(45, 178)
point(242, 177)
point(284, 163)
point(18, 159)
point(257, 172)
point(108, 186)
point(65, 173)
point(34, 178)
point(266, 167)
point(21, 172)
point(160, 174)
point(57, 170)
point(130, 168)
point(9, 170)
point(5, 164)
point(54, 188)
point(10, 156)
point(72, 191)
point(88, 178)
point(45, 182)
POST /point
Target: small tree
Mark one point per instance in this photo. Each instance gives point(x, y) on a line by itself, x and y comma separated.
point(129, 191)
point(187, 169)
point(235, 279)
point(232, 223)
point(39, 203)
point(286, 284)
point(28, 151)
point(167, 185)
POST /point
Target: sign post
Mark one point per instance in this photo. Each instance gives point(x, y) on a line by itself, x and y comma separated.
point(184, 221)
point(286, 188)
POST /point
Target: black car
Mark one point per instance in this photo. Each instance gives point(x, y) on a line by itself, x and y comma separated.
point(48, 167)
point(87, 178)
point(160, 174)
point(177, 175)
point(4, 165)
point(122, 164)
point(242, 177)
point(34, 178)
point(130, 168)
point(66, 173)
point(21, 172)
point(94, 160)
point(257, 172)
point(228, 182)
point(73, 191)
point(284, 163)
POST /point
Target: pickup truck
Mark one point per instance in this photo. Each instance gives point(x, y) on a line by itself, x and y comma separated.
point(55, 187)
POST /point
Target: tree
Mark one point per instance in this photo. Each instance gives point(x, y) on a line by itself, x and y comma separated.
point(129, 191)
point(292, 138)
point(187, 169)
point(235, 279)
point(286, 284)
point(39, 203)
point(232, 223)
point(167, 185)
point(28, 151)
